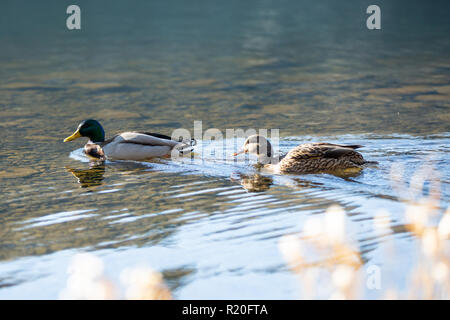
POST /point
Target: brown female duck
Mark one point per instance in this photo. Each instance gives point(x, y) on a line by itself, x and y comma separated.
point(305, 158)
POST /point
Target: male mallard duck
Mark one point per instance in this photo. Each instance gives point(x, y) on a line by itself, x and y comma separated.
point(126, 145)
point(305, 158)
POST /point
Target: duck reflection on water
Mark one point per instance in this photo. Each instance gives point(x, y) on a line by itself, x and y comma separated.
point(258, 182)
point(91, 177)
point(94, 175)
point(254, 182)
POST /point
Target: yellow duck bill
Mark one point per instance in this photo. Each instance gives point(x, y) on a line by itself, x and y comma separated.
point(74, 136)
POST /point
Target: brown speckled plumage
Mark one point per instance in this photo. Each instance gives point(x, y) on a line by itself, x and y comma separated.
point(317, 157)
point(305, 158)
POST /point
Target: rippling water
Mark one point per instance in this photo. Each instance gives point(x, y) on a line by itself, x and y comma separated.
point(211, 226)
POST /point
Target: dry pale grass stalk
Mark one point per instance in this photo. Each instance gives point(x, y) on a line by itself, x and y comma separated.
point(324, 255)
point(87, 281)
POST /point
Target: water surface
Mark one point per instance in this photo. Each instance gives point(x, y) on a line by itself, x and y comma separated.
point(311, 70)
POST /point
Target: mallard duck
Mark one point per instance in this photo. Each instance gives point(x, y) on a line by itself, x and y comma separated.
point(305, 158)
point(126, 145)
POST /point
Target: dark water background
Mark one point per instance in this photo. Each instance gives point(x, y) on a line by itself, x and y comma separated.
point(309, 68)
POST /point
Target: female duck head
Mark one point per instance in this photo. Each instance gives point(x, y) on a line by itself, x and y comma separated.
point(258, 145)
point(91, 129)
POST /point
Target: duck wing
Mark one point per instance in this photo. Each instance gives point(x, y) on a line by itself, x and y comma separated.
point(184, 146)
point(336, 151)
point(140, 146)
point(146, 139)
point(158, 135)
point(322, 150)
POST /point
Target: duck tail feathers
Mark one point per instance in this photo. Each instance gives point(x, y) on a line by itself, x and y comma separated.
point(186, 146)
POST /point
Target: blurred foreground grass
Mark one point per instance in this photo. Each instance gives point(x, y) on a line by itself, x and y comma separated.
point(328, 264)
point(87, 281)
point(324, 257)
